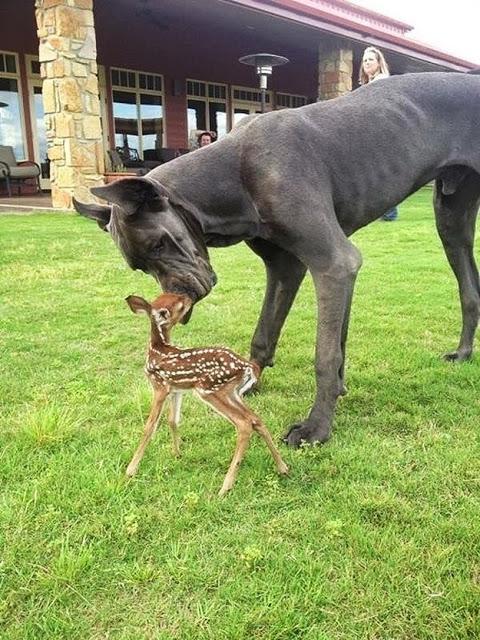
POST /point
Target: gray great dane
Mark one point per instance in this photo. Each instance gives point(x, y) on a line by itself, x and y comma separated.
point(294, 185)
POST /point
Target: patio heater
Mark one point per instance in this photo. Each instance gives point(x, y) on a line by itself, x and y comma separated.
point(263, 63)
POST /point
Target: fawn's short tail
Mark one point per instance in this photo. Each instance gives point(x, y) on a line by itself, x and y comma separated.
point(249, 379)
point(256, 369)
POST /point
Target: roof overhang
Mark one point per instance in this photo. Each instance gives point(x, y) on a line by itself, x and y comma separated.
point(385, 33)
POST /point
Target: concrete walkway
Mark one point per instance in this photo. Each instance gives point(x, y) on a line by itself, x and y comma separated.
point(38, 202)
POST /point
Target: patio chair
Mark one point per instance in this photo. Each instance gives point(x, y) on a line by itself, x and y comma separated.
point(118, 164)
point(11, 170)
point(130, 158)
point(116, 161)
point(155, 157)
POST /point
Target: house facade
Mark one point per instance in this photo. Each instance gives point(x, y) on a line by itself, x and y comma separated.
point(81, 77)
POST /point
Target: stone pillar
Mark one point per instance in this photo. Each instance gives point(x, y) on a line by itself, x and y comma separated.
point(71, 101)
point(335, 69)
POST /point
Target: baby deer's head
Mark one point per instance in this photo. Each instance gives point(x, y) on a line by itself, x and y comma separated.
point(165, 311)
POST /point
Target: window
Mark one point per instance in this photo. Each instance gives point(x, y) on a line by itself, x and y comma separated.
point(250, 95)
point(206, 108)
point(287, 100)
point(247, 101)
point(34, 67)
point(11, 120)
point(8, 63)
point(138, 111)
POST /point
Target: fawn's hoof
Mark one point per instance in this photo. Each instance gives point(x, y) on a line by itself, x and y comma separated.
point(283, 469)
point(131, 471)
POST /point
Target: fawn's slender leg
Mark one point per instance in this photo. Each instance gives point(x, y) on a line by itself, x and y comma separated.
point(174, 420)
point(244, 431)
point(262, 431)
point(159, 395)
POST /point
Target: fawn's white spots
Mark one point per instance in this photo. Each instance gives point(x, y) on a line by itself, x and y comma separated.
point(217, 375)
point(206, 366)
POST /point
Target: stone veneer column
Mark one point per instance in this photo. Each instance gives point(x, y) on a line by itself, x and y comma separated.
point(335, 69)
point(71, 102)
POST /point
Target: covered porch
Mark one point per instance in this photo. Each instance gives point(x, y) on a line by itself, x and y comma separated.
point(80, 80)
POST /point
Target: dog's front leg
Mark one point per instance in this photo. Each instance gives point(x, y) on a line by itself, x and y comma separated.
point(285, 273)
point(334, 279)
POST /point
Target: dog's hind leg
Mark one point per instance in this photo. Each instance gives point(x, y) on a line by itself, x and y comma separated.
point(342, 389)
point(455, 217)
point(284, 276)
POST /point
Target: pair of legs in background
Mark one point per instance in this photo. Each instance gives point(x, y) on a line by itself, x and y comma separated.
point(390, 216)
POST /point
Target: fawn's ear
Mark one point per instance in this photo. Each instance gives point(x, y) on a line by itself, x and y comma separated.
point(138, 305)
point(183, 306)
point(184, 309)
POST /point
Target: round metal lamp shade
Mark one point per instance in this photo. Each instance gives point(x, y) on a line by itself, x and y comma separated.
point(263, 62)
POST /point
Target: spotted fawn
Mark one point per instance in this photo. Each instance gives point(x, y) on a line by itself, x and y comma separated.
point(218, 376)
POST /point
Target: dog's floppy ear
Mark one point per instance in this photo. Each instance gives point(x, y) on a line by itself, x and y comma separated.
point(130, 193)
point(99, 212)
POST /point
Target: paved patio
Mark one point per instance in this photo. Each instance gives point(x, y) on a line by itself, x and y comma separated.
point(40, 201)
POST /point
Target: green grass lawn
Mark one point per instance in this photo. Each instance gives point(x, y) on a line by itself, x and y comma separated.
point(374, 535)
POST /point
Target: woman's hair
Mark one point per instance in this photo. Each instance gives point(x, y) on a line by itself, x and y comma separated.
point(211, 134)
point(362, 76)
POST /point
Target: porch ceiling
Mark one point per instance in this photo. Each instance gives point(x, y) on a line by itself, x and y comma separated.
point(247, 23)
point(214, 16)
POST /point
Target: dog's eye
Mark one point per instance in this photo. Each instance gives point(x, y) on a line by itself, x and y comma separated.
point(158, 247)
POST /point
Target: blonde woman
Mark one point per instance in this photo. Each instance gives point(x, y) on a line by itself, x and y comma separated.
point(374, 67)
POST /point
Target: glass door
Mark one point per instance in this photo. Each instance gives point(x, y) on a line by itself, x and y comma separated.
point(39, 134)
point(37, 116)
point(138, 115)
point(240, 111)
point(206, 109)
point(247, 101)
point(11, 113)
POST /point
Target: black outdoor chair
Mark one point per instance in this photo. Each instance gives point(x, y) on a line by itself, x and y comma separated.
point(155, 157)
point(130, 158)
point(119, 166)
point(11, 170)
